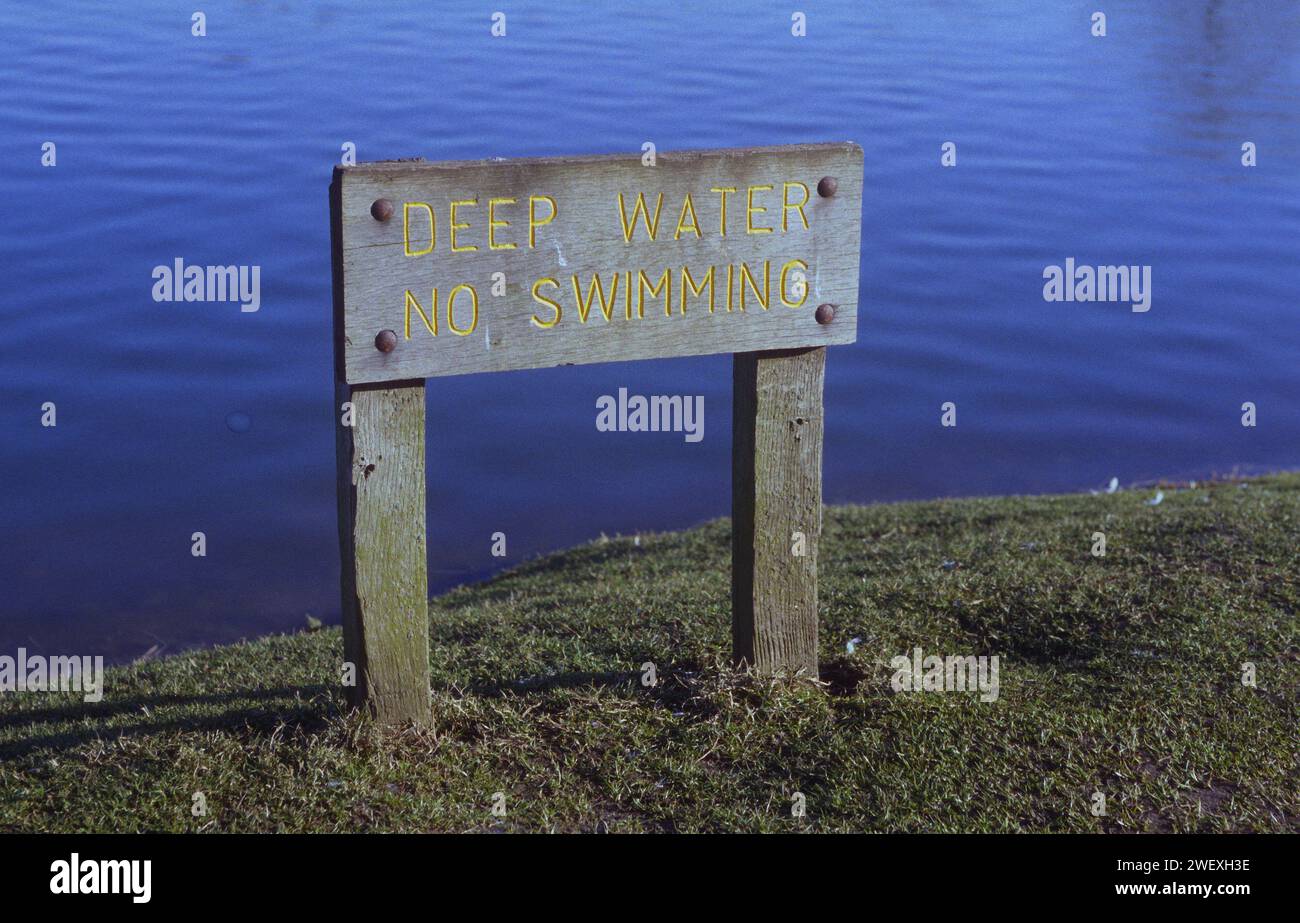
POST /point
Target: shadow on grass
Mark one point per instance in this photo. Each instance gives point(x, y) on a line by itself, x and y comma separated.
point(308, 716)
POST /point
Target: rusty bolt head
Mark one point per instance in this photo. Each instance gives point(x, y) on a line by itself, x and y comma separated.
point(381, 210)
point(827, 186)
point(825, 313)
point(386, 341)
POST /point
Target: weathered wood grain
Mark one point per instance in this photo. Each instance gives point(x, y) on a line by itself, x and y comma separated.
point(587, 236)
point(382, 531)
point(776, 491)
point(381, 516)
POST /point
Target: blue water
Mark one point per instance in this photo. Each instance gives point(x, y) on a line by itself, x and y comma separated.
point(176, 418)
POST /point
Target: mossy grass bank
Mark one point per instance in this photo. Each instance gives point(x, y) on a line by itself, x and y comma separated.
point(1119, 674)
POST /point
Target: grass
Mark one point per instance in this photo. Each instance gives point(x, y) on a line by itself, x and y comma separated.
point(1119, 674)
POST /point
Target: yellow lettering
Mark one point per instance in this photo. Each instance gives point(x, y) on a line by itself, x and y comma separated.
point(804, 297)
point(430, 325)
point(688, 207)
point(533, 223)
point(493, 224)
point(665, 283)
point(722, 196)
point(752, 209)
point(459, 227)
point(640, 208)
point(542, 299)
point(696, 290)
point(747, 278)
point(451, 309)
point(786, 205)
point(595, 290)
point(406, 228)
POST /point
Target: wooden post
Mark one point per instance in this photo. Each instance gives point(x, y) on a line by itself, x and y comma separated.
point(776, 508)
point(381, 506)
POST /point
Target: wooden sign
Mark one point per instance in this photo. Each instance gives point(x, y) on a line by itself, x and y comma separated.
point(485, 266)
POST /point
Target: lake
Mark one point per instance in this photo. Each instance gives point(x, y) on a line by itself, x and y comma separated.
point(174, 418)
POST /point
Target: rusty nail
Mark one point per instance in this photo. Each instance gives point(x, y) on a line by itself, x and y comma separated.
point(382, 209)
point(827, 186)
point(386, 341)
point(825, 313)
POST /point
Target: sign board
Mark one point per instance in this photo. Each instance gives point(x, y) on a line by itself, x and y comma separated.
point(492, 265)
point(485, 266)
